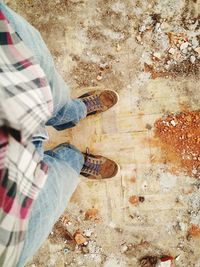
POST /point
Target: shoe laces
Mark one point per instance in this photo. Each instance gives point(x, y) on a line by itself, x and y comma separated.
point(92, 103)
point(91, 165)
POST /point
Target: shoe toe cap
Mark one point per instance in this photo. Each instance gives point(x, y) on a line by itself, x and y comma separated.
point(109, 169)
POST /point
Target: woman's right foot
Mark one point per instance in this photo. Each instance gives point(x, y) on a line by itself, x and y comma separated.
point(98, 101)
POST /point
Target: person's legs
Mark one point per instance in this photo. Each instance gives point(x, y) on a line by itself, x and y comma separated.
point(65, 163)
point(90, 103)
point(69, 115)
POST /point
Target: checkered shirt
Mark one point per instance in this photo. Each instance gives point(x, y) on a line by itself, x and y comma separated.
point(25, 103)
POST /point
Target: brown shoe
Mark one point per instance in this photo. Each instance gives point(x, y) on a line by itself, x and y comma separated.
point(98, 167)
point(98, 101)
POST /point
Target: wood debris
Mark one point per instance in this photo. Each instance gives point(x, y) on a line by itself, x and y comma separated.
point(79, 238)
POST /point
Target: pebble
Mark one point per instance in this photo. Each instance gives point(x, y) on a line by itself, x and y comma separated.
point(124, 248)
point(157, 55)
point(142, 28)
point(192, 59)
point(99, 78)
point(195, 42)
point(173, 123)
point(197, 50)
point(138, 38)
point(194, 171)
point(119, 48)
point(85, 250)
point(172, 50)
point(183, 226)
point(88, 232)
point(164, 26)
point(184, 46)
point(184, 51)
point(104, 65)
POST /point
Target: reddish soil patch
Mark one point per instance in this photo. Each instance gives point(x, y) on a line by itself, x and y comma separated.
point(194, 231)
point(92, 214)
point(179, 136)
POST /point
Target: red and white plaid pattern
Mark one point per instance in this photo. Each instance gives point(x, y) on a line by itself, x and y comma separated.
point(25, 103)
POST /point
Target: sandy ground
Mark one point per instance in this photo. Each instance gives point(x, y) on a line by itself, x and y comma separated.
point(149, 52)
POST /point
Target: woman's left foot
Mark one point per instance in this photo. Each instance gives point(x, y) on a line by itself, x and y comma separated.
point(98, 101)
point(98, 167)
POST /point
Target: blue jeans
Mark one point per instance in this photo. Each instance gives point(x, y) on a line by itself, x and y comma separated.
point(65, 161)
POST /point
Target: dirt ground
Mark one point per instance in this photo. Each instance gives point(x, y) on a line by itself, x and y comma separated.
point(149, 52)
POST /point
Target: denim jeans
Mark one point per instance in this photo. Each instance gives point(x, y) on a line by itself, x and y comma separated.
point(65, 161)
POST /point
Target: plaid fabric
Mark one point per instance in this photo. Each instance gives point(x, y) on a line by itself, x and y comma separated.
point(25, 103)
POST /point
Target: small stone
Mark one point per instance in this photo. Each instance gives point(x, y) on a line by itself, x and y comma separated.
point(171, 51)
point(88, 232)
point(184, 51)
point(195, 42)
point(138, 38)
point(112, 224)
point(183, 226)
point(157, 55)
point(192, 59)
point(124, 248)
point(165, 26)
point(104, 65)
point(118, 48)
point(194, 171)
point(173, 123)
point(197, 50)
point(85, 250)
point(184, 46)
point(134, 199)
point(142, 28)
point(99, 78)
